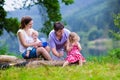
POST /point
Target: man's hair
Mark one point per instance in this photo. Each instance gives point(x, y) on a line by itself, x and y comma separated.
point(58, 26)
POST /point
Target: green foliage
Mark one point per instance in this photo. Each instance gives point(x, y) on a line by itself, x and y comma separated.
point(115, 53)
point(116, 31)
point(2, 2)
point(116, 35)
point(3, 50)
point(9, 24)
point(94, 35)
point(52, 9)
point(12, 25)
point(53, 12)
point(67, 2)
point(2, 17)
point(102, 59)
point(47, 28)
point(117, 20)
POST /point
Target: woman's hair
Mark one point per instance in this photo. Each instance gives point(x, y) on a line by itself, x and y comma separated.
point(74, 37)
point(24, 21)
point(58, 26)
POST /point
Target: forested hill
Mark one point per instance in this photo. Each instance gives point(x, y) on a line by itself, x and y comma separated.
point(92, 16)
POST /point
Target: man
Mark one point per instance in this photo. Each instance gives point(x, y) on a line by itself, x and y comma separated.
point(57, 41)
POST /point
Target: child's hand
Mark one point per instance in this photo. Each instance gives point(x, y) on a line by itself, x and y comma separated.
point(27, 55)
point(35, 46)
point(40, 44)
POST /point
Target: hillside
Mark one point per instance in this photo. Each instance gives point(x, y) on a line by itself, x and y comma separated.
point(97, 13)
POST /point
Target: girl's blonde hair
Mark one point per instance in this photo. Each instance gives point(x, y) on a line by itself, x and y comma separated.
point(73, 37)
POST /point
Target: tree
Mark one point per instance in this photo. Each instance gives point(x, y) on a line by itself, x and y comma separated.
point(9, 24)
point(2, 16)
point(53, 11)
point(12, 25)
point(116, 31)
point(94, 35)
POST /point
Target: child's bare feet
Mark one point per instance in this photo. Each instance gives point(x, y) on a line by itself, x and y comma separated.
point(27, 55)
point(65, 63)
point(80, 63)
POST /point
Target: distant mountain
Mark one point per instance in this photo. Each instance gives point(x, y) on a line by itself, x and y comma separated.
point(82, 14)
point(68, 10)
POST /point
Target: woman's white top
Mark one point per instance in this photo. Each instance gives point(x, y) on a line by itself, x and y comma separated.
point(28, 39)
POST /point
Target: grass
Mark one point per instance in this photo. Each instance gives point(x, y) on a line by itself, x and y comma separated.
point(96, 68)
point(89, 71)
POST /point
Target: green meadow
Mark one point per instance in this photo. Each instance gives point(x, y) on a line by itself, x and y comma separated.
point(96, 68)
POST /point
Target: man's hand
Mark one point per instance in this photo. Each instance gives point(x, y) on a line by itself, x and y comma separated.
point(61, 53)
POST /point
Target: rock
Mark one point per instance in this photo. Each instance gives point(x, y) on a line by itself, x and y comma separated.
point(7, 58)
point(7, 61)
point(44, 63)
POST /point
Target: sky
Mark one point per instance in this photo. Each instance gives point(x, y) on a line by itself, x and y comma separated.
point(8, 5)
point(17, 4)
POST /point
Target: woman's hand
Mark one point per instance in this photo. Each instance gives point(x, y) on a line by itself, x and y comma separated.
point(39, 44)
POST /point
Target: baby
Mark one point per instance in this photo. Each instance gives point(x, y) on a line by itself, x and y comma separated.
point(34, 35)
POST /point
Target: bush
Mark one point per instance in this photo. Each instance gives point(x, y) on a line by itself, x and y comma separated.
point(3, 50)
point(115, 53)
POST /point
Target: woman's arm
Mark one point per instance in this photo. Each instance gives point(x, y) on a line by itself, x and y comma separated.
point(23, 42)
point(55, 52)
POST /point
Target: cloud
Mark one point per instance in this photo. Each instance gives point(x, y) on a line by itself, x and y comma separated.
point(16, 4)
point(11, 5)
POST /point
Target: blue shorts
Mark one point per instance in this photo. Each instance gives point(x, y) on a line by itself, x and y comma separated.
point(32, 54)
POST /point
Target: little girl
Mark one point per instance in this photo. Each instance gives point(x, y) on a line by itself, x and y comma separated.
point(73, 50)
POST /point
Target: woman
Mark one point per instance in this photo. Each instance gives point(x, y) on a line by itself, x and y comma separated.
point(57, 41)
point(25, 40)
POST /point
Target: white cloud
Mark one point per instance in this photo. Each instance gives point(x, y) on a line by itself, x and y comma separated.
point(16, 4)
point(12, 4)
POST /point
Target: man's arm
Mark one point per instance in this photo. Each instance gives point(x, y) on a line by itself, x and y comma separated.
point(55, 52)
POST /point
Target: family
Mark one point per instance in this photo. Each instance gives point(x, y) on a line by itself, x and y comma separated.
point(63, 44)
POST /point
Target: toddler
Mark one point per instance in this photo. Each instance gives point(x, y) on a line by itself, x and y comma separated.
point(73, 50)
